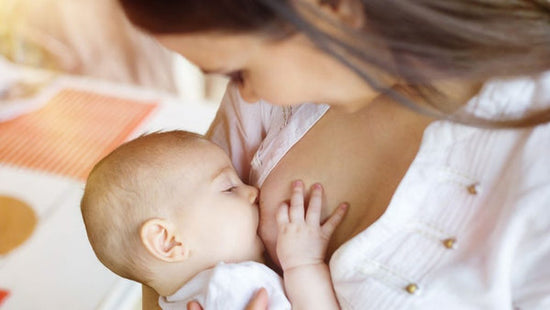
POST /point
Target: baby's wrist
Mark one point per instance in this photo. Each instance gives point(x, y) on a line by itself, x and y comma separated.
point(303, 266)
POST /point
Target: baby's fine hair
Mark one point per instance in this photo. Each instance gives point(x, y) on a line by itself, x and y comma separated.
point(122, 191)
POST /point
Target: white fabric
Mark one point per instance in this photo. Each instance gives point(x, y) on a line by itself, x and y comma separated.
point(229, 286)
point(502, 254)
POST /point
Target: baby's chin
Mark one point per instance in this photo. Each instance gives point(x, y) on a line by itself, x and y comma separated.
point(259, 250)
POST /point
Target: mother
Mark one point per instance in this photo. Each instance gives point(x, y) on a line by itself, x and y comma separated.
point(443, 215)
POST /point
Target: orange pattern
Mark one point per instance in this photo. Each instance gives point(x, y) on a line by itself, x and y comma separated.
point(3, 295)
point(71, 133)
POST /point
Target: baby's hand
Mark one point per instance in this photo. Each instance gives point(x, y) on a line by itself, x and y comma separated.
point(302, 240)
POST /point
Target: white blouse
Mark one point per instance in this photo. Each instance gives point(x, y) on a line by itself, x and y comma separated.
point(468, 226)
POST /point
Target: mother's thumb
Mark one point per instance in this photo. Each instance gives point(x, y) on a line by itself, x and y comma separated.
point(259, 301)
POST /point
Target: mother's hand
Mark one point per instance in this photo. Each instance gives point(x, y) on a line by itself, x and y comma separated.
point(258, 302)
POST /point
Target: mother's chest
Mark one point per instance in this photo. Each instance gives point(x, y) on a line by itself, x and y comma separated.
point(358, 159)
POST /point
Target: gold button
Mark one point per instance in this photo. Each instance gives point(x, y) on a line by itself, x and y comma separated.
point(473, 189)
point(411, 288)
point(449, 243)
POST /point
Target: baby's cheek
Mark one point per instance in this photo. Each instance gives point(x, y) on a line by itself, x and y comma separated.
point(268, 232)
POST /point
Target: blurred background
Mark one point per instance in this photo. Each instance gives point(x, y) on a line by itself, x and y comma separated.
point(76, 80)
point(92, 38)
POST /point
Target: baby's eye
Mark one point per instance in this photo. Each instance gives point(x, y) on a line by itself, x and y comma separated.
point(230, 189)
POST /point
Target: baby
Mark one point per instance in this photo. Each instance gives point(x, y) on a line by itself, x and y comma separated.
point(169, 210)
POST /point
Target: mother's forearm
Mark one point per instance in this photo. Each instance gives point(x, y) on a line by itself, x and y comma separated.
point(149, 298)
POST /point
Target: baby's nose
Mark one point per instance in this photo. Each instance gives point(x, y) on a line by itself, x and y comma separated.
point(252, 194)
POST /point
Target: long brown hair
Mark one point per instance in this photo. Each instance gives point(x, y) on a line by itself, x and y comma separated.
point(457, 39)
point(181, 16)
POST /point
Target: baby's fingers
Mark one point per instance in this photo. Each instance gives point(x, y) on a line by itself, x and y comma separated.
point(297, 202)
point(334, 220)
point(313, 215)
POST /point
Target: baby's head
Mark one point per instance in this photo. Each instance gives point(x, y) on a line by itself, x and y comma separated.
point(169, 204)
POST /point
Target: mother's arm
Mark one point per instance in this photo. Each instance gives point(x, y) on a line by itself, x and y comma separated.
point(149, 298)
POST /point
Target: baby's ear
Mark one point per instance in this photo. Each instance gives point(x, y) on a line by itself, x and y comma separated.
point(161, 240)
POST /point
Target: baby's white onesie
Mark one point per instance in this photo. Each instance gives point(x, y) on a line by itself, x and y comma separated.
point(229, 286)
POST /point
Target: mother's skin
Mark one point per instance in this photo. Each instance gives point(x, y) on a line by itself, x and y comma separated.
point(359, 158)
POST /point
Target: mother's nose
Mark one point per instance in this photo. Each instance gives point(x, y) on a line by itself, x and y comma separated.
point(247, 92)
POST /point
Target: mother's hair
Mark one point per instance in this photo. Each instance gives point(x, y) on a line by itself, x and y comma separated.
point(417, 41)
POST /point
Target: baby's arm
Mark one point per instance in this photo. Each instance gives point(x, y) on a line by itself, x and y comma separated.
point(301, 248)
